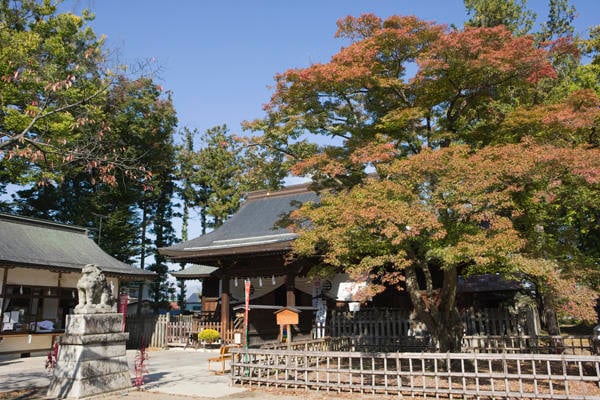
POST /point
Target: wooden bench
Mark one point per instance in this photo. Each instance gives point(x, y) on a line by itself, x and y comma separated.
point(224, 354)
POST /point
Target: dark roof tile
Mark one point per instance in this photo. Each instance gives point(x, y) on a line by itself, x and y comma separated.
point(43, 244)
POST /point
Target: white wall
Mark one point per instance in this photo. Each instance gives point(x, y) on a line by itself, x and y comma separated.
point(31, 277)
point(41, 277)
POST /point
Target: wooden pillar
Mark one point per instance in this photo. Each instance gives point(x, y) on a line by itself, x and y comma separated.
point(224, 305)
point(290, 282)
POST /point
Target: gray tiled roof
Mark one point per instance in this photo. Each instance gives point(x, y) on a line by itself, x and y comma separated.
point(256, 224)
point(194, 271)
point(47, 245)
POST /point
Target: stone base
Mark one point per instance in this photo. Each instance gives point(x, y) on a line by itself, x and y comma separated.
point(90, 362)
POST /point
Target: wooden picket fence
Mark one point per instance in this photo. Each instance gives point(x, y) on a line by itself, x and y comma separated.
point(501, 321)
point(164, 331)
point(387, 322)
point(463, 375)
point(575, 345)
point(370, 322)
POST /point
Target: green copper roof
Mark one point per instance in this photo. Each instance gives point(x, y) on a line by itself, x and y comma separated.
point(34, 243)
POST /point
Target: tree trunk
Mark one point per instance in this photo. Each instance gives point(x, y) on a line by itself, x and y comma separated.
point(550, 315)
point(437, 309)
point(142, 258)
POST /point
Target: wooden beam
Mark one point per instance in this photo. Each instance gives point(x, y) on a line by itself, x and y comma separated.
point(224, 304)
point(290, 282)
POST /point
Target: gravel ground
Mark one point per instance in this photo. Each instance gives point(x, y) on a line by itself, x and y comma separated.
point(40, 393)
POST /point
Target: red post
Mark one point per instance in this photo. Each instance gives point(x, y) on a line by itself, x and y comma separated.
point(247, 309)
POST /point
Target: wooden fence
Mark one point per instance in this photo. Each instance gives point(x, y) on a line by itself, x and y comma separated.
point(422, 374)
point(501, 321)
point(144, 330)
point(575, 345)
point(164, 330)
point(384, 323)
point(370, 322)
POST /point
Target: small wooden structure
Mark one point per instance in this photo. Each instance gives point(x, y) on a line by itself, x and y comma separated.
point(286, 317)
point(224, 354)
point(40, 265)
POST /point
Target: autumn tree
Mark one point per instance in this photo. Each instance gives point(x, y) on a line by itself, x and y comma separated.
point(432, 205)
point(459, 212)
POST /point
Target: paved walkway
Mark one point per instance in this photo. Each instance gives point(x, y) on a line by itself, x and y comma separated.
point(174, 371)
point(174, 374)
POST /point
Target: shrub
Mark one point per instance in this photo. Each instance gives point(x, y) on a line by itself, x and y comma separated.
point(209, 335)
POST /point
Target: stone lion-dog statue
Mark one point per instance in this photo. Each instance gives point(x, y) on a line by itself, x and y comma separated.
point(95, 294)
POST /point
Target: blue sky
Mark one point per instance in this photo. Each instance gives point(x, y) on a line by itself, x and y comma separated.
point(219, 57)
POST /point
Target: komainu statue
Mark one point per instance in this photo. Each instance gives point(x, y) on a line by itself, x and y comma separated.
point(95, 294)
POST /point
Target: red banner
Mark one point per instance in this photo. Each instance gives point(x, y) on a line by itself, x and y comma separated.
point(247, 309)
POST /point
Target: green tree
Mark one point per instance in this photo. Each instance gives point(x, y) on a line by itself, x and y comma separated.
point(54, 82)
point(559, 22)
point(144, 120)
point(187, 194)
point(213, 175)
point(221, 170)
point(513, 14)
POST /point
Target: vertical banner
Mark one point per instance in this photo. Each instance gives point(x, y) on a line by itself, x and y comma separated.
point(123, 300)
point(247, 308)
point(321, 309)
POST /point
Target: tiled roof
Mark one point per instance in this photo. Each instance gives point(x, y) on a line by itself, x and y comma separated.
point(255, 227)
point(43, 244)
point(194, 271)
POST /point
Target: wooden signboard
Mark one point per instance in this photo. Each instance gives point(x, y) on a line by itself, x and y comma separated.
point(286, 317)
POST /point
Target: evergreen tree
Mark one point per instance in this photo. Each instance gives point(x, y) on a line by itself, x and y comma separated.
point(513, 14)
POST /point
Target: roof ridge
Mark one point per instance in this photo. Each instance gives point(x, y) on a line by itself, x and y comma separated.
point(42, 222)
point(285, 191)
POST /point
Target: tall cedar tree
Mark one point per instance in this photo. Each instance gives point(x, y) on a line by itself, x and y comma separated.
point(147, 119)
point(434, 207)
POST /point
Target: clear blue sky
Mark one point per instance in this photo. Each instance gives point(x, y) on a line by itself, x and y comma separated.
point(218, 57)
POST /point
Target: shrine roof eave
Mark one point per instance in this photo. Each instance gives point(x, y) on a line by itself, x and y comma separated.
point(195, 271)
point(39, 244)
point(134, 275)
point(214, 253)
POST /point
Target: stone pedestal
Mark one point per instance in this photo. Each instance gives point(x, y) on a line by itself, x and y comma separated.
point(91, 358)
